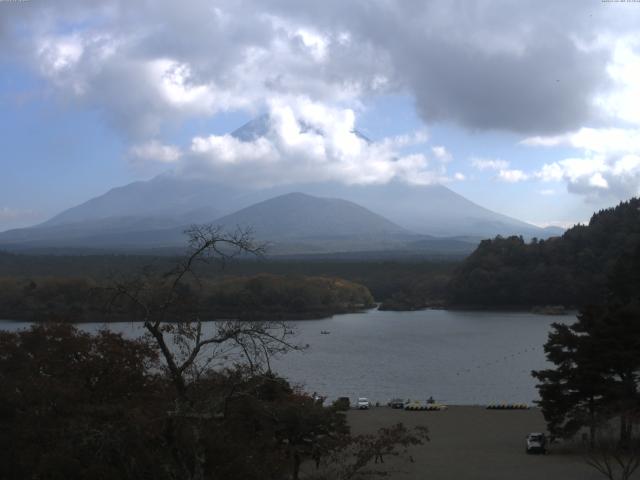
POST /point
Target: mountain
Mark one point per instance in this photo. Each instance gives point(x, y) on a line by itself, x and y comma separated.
point(301, 216)
point(167, 197)
point(301, 223)
point(153, 213)
point(290, 224)
point(429, 209)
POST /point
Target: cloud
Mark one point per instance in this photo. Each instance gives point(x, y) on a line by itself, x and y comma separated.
point(489, 164)
point(608, 165)
point(512, 176)
point(592, 140)
point(596, 176)
point(530, 68)
point(307, 141)
point(504, 173)
point(154, 151)
point(441, 153)
point(621, 102)
point(607, 160)
point(558, 73)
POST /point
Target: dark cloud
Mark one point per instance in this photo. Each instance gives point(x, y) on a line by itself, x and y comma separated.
point(531, 67)
point(526, 66)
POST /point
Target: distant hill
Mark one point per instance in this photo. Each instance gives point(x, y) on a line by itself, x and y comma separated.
point(430, 210)
point(304, 224)
point(570, 270)
point(168, 198)
point(301, 216)
point(291, 224)
point(153, 213)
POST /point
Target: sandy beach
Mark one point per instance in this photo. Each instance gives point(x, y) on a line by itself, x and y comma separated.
point(475, 443)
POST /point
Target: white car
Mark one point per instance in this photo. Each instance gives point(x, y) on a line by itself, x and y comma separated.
point(536, 443)
point(363, 403)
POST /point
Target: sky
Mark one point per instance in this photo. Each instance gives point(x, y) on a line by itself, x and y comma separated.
point(529, 108)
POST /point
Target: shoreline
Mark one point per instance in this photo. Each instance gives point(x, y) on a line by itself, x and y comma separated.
point(312, 316)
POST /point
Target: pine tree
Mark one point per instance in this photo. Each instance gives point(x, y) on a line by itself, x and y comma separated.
point(596, 372)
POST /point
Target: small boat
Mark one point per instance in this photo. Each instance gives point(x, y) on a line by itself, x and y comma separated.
point(325, 332)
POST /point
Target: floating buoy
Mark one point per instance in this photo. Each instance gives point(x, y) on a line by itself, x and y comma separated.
point(425, 408)
point(507, 406)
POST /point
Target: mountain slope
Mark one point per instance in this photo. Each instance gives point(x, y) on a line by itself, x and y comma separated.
point(301, 216)
point(167, 196)
point(431, 210)
point(168, 202)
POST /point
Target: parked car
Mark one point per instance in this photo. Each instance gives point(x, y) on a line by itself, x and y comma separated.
point(396, 403)
point(363, 403)
point(536, 443)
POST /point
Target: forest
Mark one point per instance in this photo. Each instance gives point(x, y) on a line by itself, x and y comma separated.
point(571, 270)
point(77, 299)
point(29, 283)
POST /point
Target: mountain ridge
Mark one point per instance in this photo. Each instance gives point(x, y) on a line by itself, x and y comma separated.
point(169, 202)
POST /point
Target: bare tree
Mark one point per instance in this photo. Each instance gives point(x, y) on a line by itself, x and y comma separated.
point(169, 312)
point(614, 459)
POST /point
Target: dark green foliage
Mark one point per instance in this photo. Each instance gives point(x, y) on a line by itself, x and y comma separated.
point(597, 361)
point(262, 296)
point(571, 270)
point(409, 283)
point(270, 296)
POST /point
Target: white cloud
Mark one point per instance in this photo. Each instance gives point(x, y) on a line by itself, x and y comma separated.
point(592, 140)
point(489, 164)
point(58, 54)
point(608, 157)
point(512, 176)
point(504, 173)
point(154, 151)
point(598, 175)
point(311, 142)
point(609, 163)
point(441, 153)
point(547, 192)
point(623, 100)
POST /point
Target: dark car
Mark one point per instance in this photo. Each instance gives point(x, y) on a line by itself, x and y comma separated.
point(396, 403)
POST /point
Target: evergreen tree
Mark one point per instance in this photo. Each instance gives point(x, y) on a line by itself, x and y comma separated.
point(597, 361)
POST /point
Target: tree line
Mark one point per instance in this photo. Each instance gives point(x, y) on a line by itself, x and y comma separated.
point(261, 296)
point(398, 283)
point(571, 270)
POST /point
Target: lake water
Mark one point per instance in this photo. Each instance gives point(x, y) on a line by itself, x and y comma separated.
point(458, 357)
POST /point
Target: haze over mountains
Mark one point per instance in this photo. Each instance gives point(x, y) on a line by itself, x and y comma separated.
point(304, 218)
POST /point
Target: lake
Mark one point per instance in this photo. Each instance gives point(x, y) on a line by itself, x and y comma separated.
point(458, 357)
